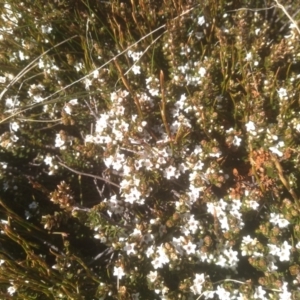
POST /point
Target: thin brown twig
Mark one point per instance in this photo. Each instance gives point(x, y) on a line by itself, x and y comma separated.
point(283, 179)
point(252, 9)
point(31, 66)
point(86, 174)
point(128, 87)
point(288, 15)
point(89, 74)
point(163, 105)
point(252, 162)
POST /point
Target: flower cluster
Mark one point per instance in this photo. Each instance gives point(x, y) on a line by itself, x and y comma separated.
point(171, 171)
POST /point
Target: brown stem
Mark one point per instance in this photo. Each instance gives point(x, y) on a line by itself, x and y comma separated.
point(163, 105)
point(86, 174)
point(127, 85)
point(283, 179)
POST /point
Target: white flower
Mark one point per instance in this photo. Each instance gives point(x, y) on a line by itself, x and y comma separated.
point(78, 66)
point(22, 56)
point(222, 204)
point(193, 225)
point(150, 251)
point(11, 290)
point(136, 69)
point(210, 208)
point(252, 204)
point(259, 293)
point(285, 294)
point(153, 92)
point(152, 276)
point(249, 56)
point(277, 219)
point(236, 141)
point(157, 263)
point(274, 250)
point(58, 141)
point(217, 154)
point(46, 28)
point(38, 98)
point(208, 294)
point(222, 293)
point(14, 126)
point(232, 258)
point(35, 92)
point(33, 205)
point(235, 205)
point(148, 238)
point(148, 80)
point(276, 151)
point(224, 222)
point(271, 263)
point(282, 223)
point(129, 248)
point(202, 72)
point(250, 126)
point(3, 165)
point(115, 205)
point(284, 254)
point(162, 256)
point(89, 138)
point(96, 74)
point(87, 83)
point(27, 214)
point(14, 138)
point(177, 243)
point(201, 20)
point(119, 272)
point(282, 93)
point(247, 240)
point(135, 55)
point(12, 103)
point(169, 172)
point(68, 109)
point(116, 161)
point(199, 165)
point(102, 238)
point(221, 261)
point(190, 248)
point(198, 283)
point(181, 102)
point(48, 160)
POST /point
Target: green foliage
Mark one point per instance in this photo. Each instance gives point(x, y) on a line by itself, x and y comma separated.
point(149, 150)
